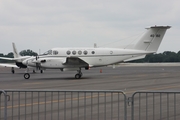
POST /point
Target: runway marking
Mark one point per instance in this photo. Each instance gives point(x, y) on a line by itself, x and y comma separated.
point(161, 88)
point(35, 83)
point(48, 102)
point(80, 98)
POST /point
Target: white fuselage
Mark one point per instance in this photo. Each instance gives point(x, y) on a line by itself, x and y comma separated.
point(94, 57)
point(73, 59)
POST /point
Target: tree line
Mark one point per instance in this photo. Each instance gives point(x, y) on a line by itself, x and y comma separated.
point(166, 56)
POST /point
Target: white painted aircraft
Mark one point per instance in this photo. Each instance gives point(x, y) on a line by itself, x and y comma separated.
point(17, 58)
point(74, 59)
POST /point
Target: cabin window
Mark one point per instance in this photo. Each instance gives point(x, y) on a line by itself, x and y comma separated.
point(111, 52)
point(93, 52)
point(79, 52)
point(85, 52)
point(68, 52)
point(74, 52)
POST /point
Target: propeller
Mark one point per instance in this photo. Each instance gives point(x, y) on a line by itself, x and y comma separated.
point(38, 64)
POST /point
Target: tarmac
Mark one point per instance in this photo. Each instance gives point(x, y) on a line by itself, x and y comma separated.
point(128, 77)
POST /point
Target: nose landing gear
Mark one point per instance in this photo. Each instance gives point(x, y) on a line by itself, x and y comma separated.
point(26, 75)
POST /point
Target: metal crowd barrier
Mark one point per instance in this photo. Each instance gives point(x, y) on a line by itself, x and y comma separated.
point(88, 105)
point(62, 105)
point(3, 110)
point(157, 105)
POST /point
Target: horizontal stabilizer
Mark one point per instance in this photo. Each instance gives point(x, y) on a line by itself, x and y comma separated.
point(135, 58)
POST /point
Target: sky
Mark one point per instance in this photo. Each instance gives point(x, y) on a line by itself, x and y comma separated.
point(40, 25)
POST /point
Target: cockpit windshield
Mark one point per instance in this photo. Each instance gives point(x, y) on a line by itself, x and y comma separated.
point(49, 52)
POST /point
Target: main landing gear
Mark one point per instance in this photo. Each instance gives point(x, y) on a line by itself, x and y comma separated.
point(12, 70)
point(79, 74)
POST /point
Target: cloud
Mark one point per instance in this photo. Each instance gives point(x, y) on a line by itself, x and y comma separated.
point(44, 24)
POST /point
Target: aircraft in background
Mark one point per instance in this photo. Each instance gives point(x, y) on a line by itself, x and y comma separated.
point(74, 59)
point(18, 60)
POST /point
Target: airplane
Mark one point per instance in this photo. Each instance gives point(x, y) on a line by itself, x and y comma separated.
point(74, 59)
point(18, 60)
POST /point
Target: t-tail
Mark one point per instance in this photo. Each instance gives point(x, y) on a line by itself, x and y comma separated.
point(15, 52)
point(17, 56)
point(151, 40)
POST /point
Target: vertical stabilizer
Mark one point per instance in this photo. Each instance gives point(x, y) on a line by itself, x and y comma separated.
point(151, 40)
point(15, 52)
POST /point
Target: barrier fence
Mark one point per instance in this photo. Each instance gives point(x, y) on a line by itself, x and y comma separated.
point(88, 105)
point(157, 105)
point(62, 105)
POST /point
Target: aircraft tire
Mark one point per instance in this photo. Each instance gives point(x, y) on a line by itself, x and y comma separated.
point(26, 75)
point(78, 76)
point(41, 71)
point(12, 70)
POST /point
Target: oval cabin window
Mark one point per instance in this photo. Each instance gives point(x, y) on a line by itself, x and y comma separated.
point(85, 52)
point(79, 52)
point(68, 52)
point(74, 52)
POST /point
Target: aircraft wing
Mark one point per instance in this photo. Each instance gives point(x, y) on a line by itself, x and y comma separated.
point(20, 58)
point(5, 58)
point(75, 61)
point(8, 65)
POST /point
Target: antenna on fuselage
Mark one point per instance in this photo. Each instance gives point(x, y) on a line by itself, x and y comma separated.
point(39, 51)
point(95, 45)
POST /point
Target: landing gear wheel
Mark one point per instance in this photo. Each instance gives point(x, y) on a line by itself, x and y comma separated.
point(78, 76)
point(41, 71)
point(26, 75)
point(13, 71)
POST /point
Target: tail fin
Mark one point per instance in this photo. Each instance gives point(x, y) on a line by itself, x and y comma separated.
point(151, 40)
point(16, 54)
